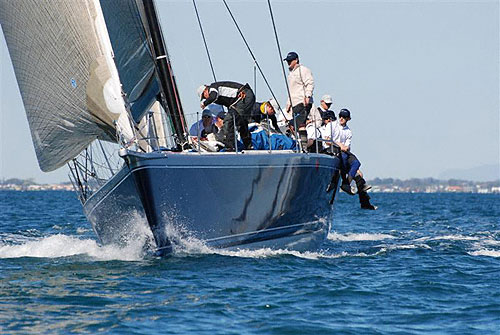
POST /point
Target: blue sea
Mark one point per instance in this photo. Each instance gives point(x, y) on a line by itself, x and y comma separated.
point(420, 264)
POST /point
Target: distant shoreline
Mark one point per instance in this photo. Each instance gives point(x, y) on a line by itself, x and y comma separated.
point(387, 185)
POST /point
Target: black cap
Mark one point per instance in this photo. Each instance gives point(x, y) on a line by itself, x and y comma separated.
point(328, 115)
point(221, 115)
point(345, 113)
point(291, 56)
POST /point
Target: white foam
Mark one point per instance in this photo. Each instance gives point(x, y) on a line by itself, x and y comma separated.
point(81, 230)
point(454, 238)
point(267, 252)
point(63, 246)
point(184, 244)
point(350, 237)
point(491, 242)
point(485, 252)
point(391, 247)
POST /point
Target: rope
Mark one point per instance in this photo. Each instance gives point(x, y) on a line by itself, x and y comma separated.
point(204, 40)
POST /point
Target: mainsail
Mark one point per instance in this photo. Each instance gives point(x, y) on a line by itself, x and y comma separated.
point(63, 63)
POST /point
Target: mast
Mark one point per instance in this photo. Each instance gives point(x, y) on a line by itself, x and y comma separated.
point(170, 97)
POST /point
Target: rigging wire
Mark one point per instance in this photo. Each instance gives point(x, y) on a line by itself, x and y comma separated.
point(253, 57)
point(204, 40)
point(279, 50)
point(284, 73)
point(255, 79)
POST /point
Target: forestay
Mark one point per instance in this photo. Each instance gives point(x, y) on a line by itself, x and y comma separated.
point(69, 84)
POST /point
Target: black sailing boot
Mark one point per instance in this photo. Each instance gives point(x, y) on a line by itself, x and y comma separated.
point(361, 184)
point(364, 201)
point(346, 187)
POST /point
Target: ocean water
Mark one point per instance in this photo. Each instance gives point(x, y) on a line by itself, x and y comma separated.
point(420, 264)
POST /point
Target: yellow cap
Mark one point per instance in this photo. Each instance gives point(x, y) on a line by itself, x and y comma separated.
point(263, 108)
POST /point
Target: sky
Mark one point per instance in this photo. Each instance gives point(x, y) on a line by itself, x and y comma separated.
point(421, 78)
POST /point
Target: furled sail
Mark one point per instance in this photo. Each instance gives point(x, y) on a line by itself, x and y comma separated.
point(133, 56)
point(141, 59)
point(69, 84)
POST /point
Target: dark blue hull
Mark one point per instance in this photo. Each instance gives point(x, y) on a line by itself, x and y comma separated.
point(249, 200)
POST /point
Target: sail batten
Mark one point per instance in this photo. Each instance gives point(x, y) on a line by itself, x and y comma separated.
point(66, 75)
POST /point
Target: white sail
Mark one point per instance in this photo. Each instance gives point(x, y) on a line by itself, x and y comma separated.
point(69, 84)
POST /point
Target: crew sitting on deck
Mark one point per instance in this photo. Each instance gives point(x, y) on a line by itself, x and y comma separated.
point(219, 122)
point(317, 112)
point(265, 112)
point(204, 126)
point(315, 133)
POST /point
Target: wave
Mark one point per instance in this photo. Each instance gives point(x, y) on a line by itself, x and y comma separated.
point(184, 244)
point(350, 237)
point(454, 238)
point(491, 242)
point(60, 245)
point(391, 247)
point(485, 252)
point(268, 252)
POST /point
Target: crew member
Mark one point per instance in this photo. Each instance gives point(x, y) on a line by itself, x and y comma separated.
point(204, 126)
point(239, 99)
point(342, 136)
point(301, 85)
point(266, 111)
point(315, 133)
point(317, 112)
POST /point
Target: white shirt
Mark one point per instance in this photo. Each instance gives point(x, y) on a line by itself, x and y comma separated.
point(315, 115)
point(312, 132)
point(342, 134)
point(301, 84)
point(326, 131)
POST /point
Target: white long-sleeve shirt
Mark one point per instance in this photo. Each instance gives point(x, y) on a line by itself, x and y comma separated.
point(301, 84)
point(342, 134)
point(315, 115)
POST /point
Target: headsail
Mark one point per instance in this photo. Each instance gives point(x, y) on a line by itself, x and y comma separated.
point(132, 54)
point(69, 84)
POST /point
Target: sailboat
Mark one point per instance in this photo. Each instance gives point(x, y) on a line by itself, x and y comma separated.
point(100, 96)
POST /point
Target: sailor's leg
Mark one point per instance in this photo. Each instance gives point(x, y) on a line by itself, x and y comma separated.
point(344, 170)
point(361, 183)
point(242, 123)
point(364, 201)
point(354, 166)
point(228, 129)
point(300, 114)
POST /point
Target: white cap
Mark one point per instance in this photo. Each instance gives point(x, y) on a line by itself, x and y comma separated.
point(200, 90)
point(275, 106)
point(327, 99)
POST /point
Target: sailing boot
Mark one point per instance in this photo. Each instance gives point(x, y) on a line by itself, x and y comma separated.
point(346, 186)
point(364, 201)
point(361, 184)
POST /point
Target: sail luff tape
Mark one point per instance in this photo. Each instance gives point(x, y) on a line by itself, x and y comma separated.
point(161, 57)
